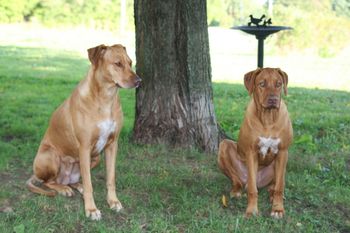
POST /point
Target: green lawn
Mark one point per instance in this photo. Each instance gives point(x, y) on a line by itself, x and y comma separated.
point(162, 189)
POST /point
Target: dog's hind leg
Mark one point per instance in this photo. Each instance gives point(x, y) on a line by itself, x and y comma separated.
point(76, 170)
point(64, 190)
point(36, 185)
point(48, 168)
point(232, 167)
point(78, 187)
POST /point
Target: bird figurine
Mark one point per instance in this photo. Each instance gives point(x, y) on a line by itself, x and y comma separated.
point(267, 22)
point(256, 21)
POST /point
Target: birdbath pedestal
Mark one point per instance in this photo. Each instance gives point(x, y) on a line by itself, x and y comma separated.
point(261, 32)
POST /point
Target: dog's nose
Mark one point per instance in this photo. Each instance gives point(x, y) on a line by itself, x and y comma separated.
point(272, 101)
point(138, 81)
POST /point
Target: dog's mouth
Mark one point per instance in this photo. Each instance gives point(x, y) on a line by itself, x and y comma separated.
point(135, 84)
point(272, 102)
point(138, 84)
point(138, 81)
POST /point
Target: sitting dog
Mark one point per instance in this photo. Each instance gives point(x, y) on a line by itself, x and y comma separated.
point(260, 156)
point(87, 123)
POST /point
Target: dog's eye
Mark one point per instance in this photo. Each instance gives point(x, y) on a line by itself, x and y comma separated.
point(262, 84)
point(279, 84)
point(119, 64)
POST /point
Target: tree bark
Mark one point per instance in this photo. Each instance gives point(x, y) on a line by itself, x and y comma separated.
point(175, 102)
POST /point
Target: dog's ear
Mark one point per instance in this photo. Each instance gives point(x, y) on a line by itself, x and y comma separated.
point(96, 53)
point(249, 80)
point(284, 80)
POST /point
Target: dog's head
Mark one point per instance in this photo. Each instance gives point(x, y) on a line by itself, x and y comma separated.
point(266, 86)
point(114, 65)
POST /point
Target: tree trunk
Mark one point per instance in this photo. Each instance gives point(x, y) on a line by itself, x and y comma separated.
point(175, 102)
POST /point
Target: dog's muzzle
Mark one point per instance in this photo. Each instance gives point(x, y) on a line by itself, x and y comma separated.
point(273, 102)
point(138, 81)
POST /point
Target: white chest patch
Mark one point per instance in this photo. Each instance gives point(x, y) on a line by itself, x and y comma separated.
point(268, 143)
point(106, 128)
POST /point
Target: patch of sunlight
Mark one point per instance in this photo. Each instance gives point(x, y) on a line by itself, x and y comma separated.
point(77, 39)
point(232, 53)
point(306, 71)
point(46, 68)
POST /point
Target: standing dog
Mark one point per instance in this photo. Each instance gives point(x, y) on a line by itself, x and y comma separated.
point(87, 123)
point(260, 156)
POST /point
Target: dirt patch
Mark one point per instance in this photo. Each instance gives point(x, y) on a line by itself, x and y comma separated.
point(10, 137)
point(14, 178)
point(5, 177)
point(348, 163)
point(7, 138)
point(13, 185)
point(344, 209)
point(17, 174)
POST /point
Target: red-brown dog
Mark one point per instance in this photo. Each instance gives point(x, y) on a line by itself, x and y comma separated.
point(260, 156)
point(85, 125)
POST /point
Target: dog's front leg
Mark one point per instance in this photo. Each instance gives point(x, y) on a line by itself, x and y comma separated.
point(111, 153)
point(252, 192)
point(85, 162)
point(280, 171)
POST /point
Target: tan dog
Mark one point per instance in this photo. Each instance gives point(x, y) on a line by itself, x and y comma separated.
point(260, 156)
point(87, 123)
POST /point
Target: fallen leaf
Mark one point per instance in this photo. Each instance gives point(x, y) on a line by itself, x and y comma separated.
point(224, 201)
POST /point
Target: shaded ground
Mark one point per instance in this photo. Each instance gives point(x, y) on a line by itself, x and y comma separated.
point(164, 189)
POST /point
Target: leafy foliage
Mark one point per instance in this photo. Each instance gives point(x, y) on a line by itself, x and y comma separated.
point(316, 27)
point(93, 13)
point(341, 7)
point(16, 10)
point(320, 26)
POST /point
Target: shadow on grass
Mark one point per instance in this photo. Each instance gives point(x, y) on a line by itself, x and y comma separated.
point(41, 63)
point(164, 189)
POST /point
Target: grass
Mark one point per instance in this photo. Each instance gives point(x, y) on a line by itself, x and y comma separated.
point(163, 189)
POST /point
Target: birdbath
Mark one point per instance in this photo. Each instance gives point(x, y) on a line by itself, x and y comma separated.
point(261, 30)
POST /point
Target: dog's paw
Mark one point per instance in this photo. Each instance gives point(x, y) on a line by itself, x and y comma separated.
point(236, 194)
point(80, 190)
point(93, 214)
point(277, 211)
point(277, 214)
point(251, 212)
point(78, 187)
point(115, 205)
point(66, 191)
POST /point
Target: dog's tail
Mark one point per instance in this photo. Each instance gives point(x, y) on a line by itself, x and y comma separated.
point(36, 185)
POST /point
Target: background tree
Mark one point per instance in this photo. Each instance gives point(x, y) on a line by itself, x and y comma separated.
point(175, 103)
